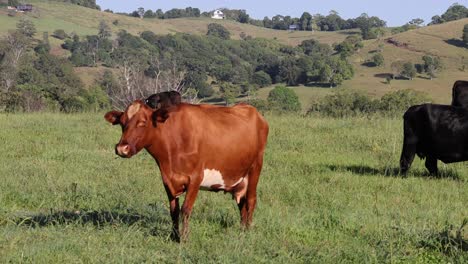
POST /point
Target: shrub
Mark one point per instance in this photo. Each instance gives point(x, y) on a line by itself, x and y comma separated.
point(283, 99)
point(400, 101)
point(75, 104)
point(345, 103)
point(378, 59)
point(218, 30)
point(261, 104)
point(60, 34)
point(261, 79)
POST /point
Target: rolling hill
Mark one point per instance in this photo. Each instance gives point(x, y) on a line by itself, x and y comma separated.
point(442, 40)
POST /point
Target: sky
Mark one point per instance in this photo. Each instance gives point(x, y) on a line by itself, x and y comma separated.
point(395, 12)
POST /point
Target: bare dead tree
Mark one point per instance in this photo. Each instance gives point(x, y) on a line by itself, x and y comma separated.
point(13, 46)
point(135, 84)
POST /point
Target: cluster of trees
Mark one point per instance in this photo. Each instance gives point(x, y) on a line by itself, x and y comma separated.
point(454, 12)
point(31, 79)
point(85, 3)
point(172, 13)
point(413, 24)
point(247, 64)
point(405, 69)
point(331, 22)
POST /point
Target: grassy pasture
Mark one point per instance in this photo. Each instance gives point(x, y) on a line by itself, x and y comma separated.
point(329, 193)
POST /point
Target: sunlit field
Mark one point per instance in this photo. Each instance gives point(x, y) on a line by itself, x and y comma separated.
point(329, 192)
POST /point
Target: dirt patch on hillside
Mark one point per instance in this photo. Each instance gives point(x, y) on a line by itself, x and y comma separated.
point(402, 45)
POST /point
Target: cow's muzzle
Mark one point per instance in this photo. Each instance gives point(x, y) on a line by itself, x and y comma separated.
point(124, 150)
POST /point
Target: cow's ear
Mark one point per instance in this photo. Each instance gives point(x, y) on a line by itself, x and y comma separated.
point(113, 117)
point(159, 115)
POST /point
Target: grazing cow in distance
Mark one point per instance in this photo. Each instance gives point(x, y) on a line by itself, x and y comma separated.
point(460, 94)
point(198, 147)
point(163, 100)
point(435, 132)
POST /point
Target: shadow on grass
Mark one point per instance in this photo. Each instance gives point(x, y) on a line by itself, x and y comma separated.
point(450, 241)
point(392, 172)
point(155, 223)
point(369, 64)
point(455, 42)
point(384, 75)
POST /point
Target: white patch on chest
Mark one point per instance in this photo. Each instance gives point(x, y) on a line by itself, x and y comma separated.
point(212, 178)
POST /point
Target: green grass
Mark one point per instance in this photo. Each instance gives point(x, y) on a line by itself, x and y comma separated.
point(328, 193)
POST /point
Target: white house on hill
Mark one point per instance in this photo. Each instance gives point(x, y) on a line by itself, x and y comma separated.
point(217, 14)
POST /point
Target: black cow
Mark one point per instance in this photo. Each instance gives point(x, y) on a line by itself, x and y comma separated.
point(163, 100)
point(435, 132)
point(460, 94)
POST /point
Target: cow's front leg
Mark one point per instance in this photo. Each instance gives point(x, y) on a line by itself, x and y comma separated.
point(189, 201)
point(175, 212)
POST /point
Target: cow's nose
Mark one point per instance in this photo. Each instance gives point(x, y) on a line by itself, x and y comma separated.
point(123, 150)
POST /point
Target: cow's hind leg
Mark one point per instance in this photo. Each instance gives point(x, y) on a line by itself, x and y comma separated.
point(187, 207)
point(250, 200)
point(431, 165)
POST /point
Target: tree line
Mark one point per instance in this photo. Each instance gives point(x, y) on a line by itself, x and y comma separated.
point(454, 12)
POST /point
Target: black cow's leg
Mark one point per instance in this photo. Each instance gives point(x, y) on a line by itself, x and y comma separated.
point(431, 165)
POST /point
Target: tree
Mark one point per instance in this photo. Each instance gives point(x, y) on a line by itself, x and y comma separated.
point(284, 99)
point(289, 71)
point(104, 30)
point(13, 2)
point(243, 17)
point(218, 30)
point(305, 22)
point(149, 14)
point(416, 22)
point(335, 71)
point(261, 79)
point(141, 12)
point(378, 59)
point(432, 64)
point(14, 46)
point(408, 71)
point(397, 67)
point(229, 92)
point(465, 35)
point(60, 34)
point(26, 27)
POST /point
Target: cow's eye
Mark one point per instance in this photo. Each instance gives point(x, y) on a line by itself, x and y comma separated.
point(141, 124)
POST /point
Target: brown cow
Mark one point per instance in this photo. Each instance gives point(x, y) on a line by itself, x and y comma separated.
point(198, 147)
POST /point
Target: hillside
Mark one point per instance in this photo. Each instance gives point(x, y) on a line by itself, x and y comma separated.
point(442, 40)
point(50, 16)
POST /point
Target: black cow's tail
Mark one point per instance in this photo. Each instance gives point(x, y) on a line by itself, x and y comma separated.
point(410, 139)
